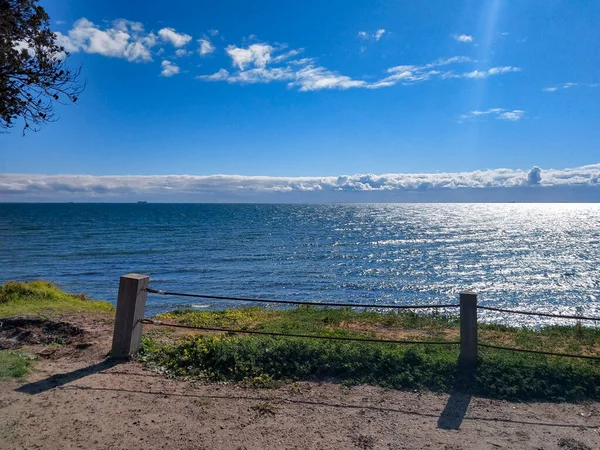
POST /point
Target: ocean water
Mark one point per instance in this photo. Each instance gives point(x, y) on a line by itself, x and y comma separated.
point(543, 257)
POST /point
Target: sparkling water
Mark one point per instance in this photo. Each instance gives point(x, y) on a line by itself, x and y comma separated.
point(542, 257)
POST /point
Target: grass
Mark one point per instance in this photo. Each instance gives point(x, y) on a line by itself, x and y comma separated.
point(42, 297)
point(320, 321)
point(558, 339)
point(372, 324)
point(14, 364)
point(260, 360)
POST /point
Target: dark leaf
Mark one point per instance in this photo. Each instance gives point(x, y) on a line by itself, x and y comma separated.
point(31, 78)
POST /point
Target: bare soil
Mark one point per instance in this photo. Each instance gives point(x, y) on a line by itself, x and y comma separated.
point(75, 398)
point(18, 331)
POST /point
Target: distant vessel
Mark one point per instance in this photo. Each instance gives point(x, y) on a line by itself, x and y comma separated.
point(142, 201)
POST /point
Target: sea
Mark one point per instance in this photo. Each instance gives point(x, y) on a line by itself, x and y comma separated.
point(532, 257)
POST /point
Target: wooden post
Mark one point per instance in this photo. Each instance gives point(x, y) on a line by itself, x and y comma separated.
point(131, 304)
point(468, 328)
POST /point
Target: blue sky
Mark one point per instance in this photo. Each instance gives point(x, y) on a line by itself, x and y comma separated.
point(314, 89)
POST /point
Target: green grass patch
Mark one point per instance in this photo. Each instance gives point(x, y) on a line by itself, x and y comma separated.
point(559, 339)
point(253, 359)
point(14, 364)
point(391, 325)
point(42, 297)
point(316, 321)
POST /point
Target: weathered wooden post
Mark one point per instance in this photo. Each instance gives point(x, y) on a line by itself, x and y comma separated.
point(468, 328)
point(131, 304)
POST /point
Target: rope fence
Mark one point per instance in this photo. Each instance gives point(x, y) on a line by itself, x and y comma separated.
point(369, 340)
point(309, 336)
point(532, 313)
point(372, 305)
point(300, 303)
point(133, 289)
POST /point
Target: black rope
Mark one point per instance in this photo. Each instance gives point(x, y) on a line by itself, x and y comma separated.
point(292, 302)
point(269, 333)
point(337, 338)
point(538, 352)
point(531, 313)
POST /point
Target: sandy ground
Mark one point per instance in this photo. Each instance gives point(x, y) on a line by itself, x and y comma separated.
point(76, 399)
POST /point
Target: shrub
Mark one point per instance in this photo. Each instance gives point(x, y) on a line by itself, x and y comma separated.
point(499, 375)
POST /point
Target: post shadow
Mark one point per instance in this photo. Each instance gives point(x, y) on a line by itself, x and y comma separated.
point(455, 410)
point(61, 379)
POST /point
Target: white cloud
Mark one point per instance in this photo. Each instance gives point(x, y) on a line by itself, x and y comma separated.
point(255, 63)
point(221, 75)
point(505, 69)
point(302, 61)
point(368, 36)
point(498, 113)
point(127, 25)
point(123, 39)
point(65, 41)
point(486, 73)
point(569, 85)
point(256, 54)
point(258, 63)
point(306, 78)
point(168, 69)
point(447, 61)
point(181, 52)
point(405, 75)
point(286, 55)
point(22, 45)
point(466, 38)
point(206, 47)
point(177, 39)
point(410, 74)
point(251, 76)
point(31, 50)
point(137, 51)
point(14, 186)
point(312, 78)
point(514, 115)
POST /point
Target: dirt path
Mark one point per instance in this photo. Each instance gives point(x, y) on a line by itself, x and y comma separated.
point(74, 399)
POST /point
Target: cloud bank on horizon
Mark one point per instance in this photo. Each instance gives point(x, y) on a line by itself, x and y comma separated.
point(518, 185)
